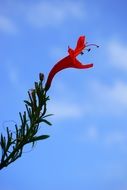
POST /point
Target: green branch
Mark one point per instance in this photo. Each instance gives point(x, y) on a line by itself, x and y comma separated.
point(12, 143)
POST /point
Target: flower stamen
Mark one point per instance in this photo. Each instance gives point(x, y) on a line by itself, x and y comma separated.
point(92, 45)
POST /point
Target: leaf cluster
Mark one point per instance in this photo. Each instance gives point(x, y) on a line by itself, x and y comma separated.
point(12, 143)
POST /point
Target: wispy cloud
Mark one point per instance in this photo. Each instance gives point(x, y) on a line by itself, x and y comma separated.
point(100, 99)
point(7, 25)
point(116, 137)
point(52, 14)
point(109, 139)
point(62, 110)
point(107, 99)
point(115, 93)
point(90, 134)
point(118, 54)
point(57, 52)
point(13, 75)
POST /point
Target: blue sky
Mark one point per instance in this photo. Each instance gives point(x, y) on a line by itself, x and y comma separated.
point(88, 144)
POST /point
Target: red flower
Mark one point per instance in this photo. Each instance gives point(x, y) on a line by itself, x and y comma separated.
point(70, 61)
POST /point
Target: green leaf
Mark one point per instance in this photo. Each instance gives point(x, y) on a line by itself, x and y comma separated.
point(28, 103)
point(41, 137)
point(47, 115)
point(45, 121)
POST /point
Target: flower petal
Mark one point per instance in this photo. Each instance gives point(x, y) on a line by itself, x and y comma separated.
point(62, 64)
point(79, 65)
point(71, 52)
point(80, 45)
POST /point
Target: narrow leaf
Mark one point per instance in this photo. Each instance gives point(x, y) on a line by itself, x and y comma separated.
point(45, 121)
point(28, 103)
point(42, 137)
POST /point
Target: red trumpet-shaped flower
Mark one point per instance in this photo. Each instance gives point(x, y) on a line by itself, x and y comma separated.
point(70, 61)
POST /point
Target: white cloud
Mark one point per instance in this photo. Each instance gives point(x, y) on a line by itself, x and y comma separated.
point(62, 110)
point(118, 54)
point(109, 139)
point(116, 93)
point(100, 99)
point(13, 76)
point(116, 137)
point(108, 99)
point(90, 134)
point(7, 25)
point(57, 52)
point(52, 14)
